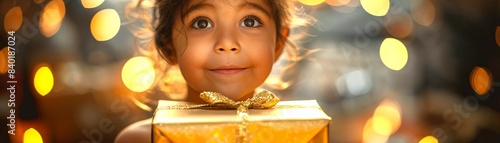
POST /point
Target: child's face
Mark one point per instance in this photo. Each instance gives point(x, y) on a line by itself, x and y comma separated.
point(226, 46)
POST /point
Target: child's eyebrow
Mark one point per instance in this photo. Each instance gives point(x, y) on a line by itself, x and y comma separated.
point(243, 5)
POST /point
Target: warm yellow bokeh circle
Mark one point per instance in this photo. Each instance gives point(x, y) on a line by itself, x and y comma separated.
point(32, 136)
point(429, 139)
point(43, 81)
point(376, 7)
point(91, 3)
point(105, 24)
point(393, 54)
point(138, 74)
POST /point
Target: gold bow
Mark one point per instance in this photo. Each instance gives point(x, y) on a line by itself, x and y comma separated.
point(262, 100)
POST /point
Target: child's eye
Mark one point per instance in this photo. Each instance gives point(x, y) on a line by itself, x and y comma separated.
point(251, 21)
point(201, 23)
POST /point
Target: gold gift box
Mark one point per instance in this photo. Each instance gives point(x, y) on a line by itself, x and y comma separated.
point(300, 121)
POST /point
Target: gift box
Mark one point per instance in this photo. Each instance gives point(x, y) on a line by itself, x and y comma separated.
point(301, 121)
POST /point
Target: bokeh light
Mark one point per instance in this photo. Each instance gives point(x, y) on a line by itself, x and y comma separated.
point(91, 3)
point(354, 83)
point(32, 136)
point(51, 17)
point(348, 7)
point(43, 81)
point(480, 80)
point(3, 60)
point(311, 2)
point(13, 19)
point(391, 111)
point(423, 12)
point(400, 25)
point(381, 125)
point(369, 134)
point(376, 7)
point(72, 76)
point(393, 54)
point(105, 24)
point(138, 74)
point(385, 121)
point(428, 139)
point(353, 3)
point(497, 35)
point(337, 2)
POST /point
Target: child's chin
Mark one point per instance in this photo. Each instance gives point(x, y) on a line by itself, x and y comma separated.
point(237, 96)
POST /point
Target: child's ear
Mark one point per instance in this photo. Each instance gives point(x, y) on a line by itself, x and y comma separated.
point(280, 44)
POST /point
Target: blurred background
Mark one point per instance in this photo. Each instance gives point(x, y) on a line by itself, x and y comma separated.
point(385, 70)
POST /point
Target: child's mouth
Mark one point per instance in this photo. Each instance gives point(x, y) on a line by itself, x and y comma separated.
point(227, 70)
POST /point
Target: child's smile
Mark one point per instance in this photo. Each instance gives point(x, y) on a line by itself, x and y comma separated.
point(228, 70)
point(226, 46)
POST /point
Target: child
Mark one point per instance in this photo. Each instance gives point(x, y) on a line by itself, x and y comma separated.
point(225, 46)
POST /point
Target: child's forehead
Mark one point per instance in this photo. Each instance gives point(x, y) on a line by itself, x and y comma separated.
point(259, 5)
point(232, 3)
point(227, 1)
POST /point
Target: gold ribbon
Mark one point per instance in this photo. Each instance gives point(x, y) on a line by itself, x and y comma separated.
point(263, 100)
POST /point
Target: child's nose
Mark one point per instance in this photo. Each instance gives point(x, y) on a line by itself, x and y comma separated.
point(227, 50)
point(227, 42)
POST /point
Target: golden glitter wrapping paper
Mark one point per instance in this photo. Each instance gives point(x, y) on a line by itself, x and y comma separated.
point(300, 121)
